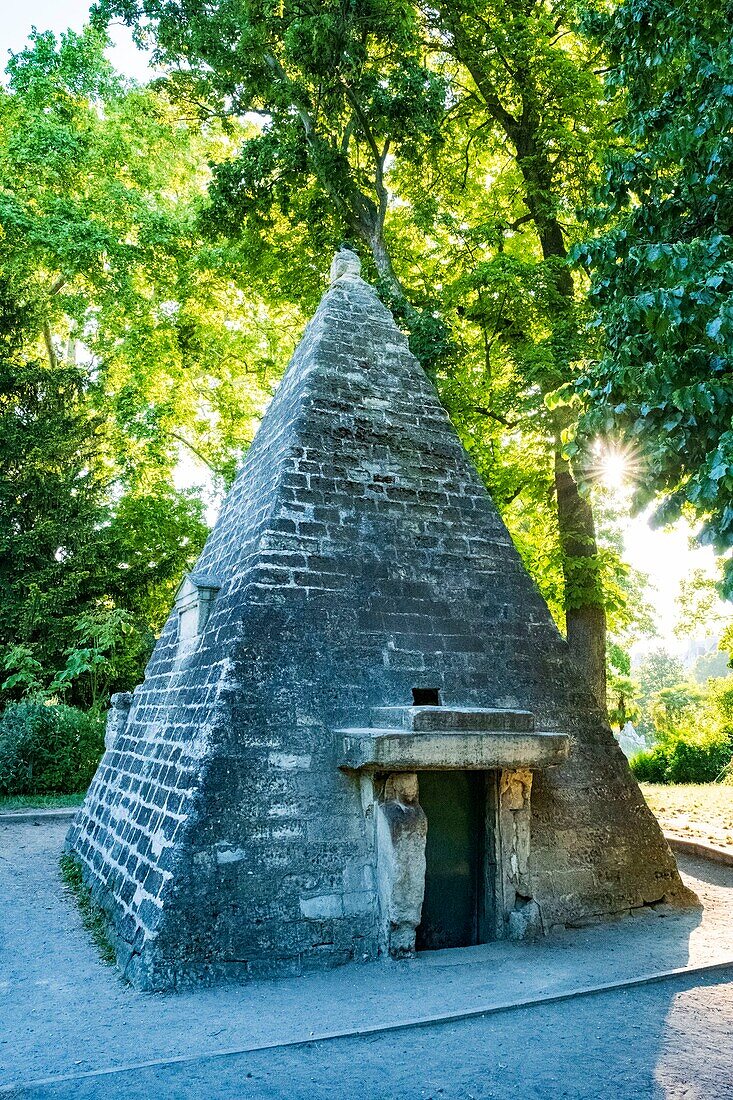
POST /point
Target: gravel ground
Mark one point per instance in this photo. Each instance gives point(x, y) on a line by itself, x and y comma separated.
point(64, 1012)
point(671, 1040)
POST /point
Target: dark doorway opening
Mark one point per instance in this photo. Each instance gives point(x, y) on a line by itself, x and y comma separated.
point(460, 875)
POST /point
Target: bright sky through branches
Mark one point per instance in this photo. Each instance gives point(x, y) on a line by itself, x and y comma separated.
point(16, 21)
point(616, 467)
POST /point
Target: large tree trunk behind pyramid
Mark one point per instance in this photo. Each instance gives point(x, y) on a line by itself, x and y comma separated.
point(357, 557)
point(585, 621)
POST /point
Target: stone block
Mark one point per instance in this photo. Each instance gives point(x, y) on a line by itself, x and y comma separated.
point(322, 906)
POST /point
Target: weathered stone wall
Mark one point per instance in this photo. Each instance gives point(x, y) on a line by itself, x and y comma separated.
point(358, 556)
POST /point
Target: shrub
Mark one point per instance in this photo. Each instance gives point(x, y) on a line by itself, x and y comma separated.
point(690, 762)
point(683, 761)
point(48, 748)
point(650, 765)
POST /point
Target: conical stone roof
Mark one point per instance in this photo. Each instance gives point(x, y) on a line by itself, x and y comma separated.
point(357, 556)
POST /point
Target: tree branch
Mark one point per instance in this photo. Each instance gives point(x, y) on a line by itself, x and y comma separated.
point(48, 340)
point(275, 66)
point(378, 157)
point(513, 226)
point(495, 416)
point(517, 492)
point(181, 439)
point(465, 54)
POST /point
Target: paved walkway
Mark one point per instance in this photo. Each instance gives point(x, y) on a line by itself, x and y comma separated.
point(64, 1013)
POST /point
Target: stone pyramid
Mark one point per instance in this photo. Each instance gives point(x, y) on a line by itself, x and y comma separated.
point(358, 627)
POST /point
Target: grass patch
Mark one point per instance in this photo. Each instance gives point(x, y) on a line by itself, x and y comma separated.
point(702, 811)
point(10, 802)
point(93, 916)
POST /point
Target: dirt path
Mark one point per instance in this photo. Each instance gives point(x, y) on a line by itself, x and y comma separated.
point(64, 1012)
point(671, 1040)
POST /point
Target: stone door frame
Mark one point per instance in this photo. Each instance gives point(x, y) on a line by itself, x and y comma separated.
point(508, 909)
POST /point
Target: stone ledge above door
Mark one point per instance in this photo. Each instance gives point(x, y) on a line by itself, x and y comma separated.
point(432, 738)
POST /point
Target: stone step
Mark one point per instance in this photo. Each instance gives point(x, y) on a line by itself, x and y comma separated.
point(433, 718)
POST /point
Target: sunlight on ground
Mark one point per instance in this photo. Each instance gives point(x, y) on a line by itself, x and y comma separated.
point(693, 810)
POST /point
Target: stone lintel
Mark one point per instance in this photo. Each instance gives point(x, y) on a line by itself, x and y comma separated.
point(480, 719)
point(472, 750)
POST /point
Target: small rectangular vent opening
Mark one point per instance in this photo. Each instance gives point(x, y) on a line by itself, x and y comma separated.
point(426, 697)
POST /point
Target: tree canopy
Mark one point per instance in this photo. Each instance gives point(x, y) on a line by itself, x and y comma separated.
point(123, 347)
point(661, 262)
point(540, 198)
point(452, 143)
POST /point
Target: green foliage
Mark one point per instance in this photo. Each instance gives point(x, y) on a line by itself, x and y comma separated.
point(92, 915)
point(452, 143)
point(66, 544)
point(689, 762)
point(726, 643)
point(711, 665)
point(108, 645)
point(657, 670)
point(672, 707)
point(48, 748)
point(12, 802)
point(683, 761)
point(506, 183)
point(126, 345)
point(650, 766)
point(25, 672)
point(101, 193)
point(622, 706)
point(157, 256)
point(662, 261)
point(343, 89)
point(695, 731)
point(699, 606)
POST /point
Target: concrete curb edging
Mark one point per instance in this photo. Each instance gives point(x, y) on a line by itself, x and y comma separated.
point(699, 848)
point(382, 1029)
point(38, 816)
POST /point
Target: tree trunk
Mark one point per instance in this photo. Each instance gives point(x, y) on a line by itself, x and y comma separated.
point(584, 612)
point(585, 617)
point(48, 341)
point(373, 236)
point(383, 263)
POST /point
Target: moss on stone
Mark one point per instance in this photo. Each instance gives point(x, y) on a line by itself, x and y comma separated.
point(93, 917)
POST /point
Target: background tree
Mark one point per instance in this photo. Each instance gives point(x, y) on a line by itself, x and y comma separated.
point(527, 121)
point(357, 108)
point(343, 91)
point(703, 619)
point(657, 670)
point(662, 261)
point(692, 729)
point(126, 343)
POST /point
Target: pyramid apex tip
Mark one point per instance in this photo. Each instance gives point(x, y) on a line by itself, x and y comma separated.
point(346, 265)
